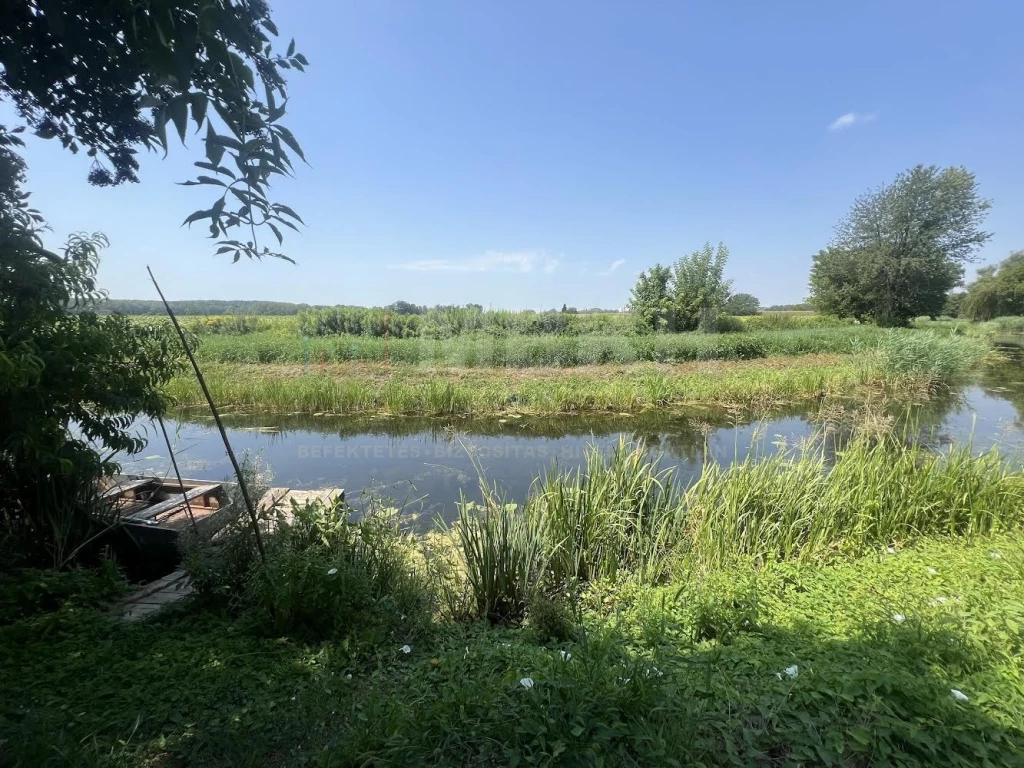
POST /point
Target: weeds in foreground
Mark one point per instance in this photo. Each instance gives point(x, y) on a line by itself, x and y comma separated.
point(809, 667)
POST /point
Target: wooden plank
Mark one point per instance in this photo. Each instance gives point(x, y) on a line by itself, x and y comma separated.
point(122, 488)
point(177, 500)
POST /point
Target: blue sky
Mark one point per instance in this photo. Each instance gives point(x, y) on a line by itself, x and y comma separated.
point(531, 154)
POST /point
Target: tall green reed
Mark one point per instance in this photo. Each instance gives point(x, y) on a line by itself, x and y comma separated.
point(617, 513)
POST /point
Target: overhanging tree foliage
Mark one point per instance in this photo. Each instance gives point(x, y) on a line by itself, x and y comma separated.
point(902, 248)
point(71, 382)
point(109, 77)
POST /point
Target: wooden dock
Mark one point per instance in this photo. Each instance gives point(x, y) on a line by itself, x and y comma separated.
point(154, 596)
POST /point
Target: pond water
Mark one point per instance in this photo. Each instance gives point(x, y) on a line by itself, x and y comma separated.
point(427, 464)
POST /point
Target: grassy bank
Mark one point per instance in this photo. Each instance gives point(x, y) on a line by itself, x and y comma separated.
point(407, 390)
point(905, 362)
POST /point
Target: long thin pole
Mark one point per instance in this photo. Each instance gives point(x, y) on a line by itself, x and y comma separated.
point(216, 418)
point(174, 463)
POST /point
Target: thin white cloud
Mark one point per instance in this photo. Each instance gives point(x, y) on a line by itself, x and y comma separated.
point(850, 118)
point(615, 265)
point(491, 261)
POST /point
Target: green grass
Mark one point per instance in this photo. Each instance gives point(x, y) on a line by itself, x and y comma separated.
point(939, 357)
point(692, 673)
point(407, 390)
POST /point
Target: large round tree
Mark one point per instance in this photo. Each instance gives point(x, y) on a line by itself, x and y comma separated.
point(902, 248)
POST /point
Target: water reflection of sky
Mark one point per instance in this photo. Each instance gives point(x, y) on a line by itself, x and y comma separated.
point(430, 463)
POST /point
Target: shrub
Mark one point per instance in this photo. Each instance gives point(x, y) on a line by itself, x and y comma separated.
point(326, 574)
point(719, 606)
point(553, 617)
point(71, 383)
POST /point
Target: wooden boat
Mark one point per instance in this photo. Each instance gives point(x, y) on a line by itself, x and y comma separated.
point(153, 510)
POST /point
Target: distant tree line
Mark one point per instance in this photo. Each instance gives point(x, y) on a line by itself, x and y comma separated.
point(202, 307)
point(209, 307)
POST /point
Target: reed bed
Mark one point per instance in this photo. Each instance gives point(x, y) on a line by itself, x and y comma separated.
point(622, 514)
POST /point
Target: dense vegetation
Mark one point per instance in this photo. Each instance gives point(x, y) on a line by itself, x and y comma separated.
point(70, 383)
point(201, 307)
point(624, 620)
point(534, 350)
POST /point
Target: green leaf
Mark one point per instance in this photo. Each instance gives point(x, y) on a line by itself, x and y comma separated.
point(149, 102)
point(280, 237)
point(197, 216)
point(241, 69)
point(291, 48)
point(289, 139)
point(282, 208)
point(215, 168)
point(199, 103)
point(179, 114)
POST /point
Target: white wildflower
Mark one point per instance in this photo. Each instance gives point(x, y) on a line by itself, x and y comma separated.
point(527, 683)
point(995, 556)
point(406, 649)
point(565, 655)
point(899, 618)
point(958, 695)
point(332, 571)
point(891, 550)
point(931, 571)
point(792, 671)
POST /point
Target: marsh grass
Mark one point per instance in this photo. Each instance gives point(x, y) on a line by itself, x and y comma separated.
point(815, 502)
point(618, 513)
point(930, 356)
point(503, 556)
point(621, 514)
point(408, 390)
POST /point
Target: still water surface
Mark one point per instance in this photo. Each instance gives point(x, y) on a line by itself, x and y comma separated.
point(427, 464)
